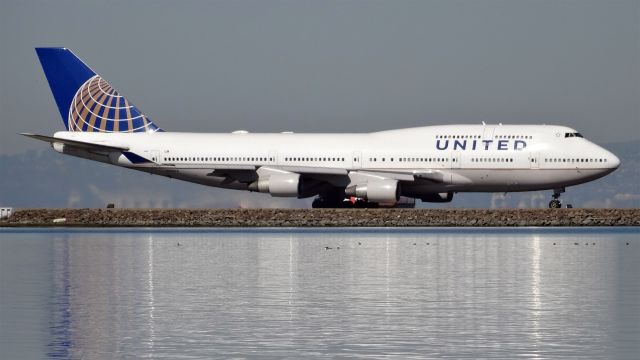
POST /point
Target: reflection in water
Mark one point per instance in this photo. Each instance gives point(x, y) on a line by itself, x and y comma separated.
point(150, 305)
point(60, 303)
point(536, 306)
point(290, 278)
point(497, 293)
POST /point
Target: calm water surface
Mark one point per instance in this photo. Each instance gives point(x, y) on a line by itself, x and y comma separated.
point(379, 293)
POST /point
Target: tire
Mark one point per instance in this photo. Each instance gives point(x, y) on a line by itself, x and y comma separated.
point(555, 204)
point(319, 203)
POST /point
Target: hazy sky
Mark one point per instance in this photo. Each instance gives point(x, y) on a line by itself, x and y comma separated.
point(333, 66)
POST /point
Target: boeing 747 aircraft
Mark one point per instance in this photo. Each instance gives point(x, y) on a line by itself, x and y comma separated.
point(388, 168)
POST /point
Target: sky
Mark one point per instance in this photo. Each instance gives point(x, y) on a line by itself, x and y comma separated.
point(333, 66)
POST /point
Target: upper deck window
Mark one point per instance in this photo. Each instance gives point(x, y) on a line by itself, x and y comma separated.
point(576, 134)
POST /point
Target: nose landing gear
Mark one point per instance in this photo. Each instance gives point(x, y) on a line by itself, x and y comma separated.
point(555, 199)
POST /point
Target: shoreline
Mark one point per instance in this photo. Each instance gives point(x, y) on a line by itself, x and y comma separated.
point(239, 218)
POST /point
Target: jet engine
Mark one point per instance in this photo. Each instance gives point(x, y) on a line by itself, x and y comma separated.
point(438, 197)
point(379, 191)
point(284, 185)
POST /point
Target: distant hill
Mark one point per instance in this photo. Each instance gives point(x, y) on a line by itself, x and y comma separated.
point(48, 179)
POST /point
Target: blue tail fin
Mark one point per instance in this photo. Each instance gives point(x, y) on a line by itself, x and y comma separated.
point(85, 100)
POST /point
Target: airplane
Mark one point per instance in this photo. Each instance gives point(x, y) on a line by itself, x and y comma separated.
point(389, 168)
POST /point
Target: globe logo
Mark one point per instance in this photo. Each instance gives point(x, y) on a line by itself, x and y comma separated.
point(97, 107)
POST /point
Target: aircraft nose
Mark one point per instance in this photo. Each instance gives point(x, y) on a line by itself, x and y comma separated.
point(608, 161)
point(614, 161)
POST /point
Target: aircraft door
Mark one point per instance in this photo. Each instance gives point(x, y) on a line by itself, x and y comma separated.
point(273, 157)
point(456, 158)
point(357, 160)
point(534, 160)
point(155, 156)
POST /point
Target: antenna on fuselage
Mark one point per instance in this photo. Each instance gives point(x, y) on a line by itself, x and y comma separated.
point(483, 123)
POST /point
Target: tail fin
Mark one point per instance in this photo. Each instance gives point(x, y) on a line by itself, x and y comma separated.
point(85, 100)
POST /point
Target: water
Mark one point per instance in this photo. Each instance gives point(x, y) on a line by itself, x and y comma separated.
point(385, 293)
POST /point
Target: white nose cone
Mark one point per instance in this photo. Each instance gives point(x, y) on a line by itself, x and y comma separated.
point(614, 161)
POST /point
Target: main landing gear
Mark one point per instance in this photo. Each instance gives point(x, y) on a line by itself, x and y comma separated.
point(555, 199)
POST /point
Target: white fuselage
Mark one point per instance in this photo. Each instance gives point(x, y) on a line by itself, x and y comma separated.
point(426, 160)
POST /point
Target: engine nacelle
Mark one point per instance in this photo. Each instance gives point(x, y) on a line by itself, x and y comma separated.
point(59, 147)
point(438, 197)
point(285, 185)
point(379, 191)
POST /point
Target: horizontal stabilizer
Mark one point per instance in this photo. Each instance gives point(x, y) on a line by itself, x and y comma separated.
point(77, 144)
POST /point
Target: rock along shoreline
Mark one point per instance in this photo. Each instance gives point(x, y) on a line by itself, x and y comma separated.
point(321, 217)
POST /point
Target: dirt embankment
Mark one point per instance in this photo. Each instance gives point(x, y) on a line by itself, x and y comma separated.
point(321, 217)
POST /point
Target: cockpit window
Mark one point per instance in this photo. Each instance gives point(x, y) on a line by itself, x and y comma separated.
point(576, 134)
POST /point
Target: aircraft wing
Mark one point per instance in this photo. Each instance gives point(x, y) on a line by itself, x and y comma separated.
point(435, 176)
point(249, 173)
point(334, 176)
point(243, 175)
point(77, 144)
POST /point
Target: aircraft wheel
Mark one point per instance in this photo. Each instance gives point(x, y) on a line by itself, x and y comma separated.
point(320, 203)
point(555, 204)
